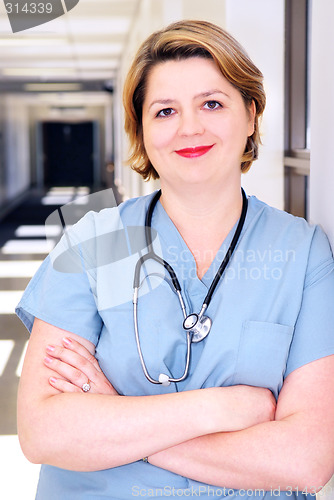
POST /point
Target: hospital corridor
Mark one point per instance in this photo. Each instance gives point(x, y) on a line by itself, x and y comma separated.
point(63, 149)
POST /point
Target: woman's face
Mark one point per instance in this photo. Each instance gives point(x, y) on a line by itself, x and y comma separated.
point(195, 123)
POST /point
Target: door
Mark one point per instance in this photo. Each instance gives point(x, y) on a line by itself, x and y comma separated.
point(68, 152)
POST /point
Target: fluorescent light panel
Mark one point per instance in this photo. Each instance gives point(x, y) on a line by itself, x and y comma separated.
point(38, 71)
point(61, 64)
point(106, 49)
point(52, 87)
point(24, 42)
point(100, 25)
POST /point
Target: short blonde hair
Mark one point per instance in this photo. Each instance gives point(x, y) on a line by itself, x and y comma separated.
point(183, 40)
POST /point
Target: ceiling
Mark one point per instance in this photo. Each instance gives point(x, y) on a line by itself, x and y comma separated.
point(84, 45)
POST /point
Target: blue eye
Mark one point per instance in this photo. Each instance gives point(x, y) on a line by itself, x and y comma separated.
point(164, 113)
point(212, 105)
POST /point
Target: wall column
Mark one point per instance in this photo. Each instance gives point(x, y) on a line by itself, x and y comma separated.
point(322, 112)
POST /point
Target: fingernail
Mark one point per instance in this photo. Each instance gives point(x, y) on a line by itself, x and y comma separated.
point(67, 341)
point(48, 360)
point(50, 348)
point(53, 380)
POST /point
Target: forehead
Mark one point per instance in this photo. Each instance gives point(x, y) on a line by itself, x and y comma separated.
point(196, 74)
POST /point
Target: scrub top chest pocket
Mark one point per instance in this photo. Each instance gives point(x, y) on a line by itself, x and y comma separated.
point(262, 355)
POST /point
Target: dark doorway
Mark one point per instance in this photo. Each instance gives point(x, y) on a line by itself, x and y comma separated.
point(68, 152)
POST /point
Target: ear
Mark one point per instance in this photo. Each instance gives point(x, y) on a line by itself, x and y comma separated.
point(252, 114)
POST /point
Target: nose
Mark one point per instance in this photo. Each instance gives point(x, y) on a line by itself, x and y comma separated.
point(190, 124)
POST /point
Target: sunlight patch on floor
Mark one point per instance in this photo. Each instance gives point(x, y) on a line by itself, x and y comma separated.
point(9, 300)
point(18, 268)
point(18, 476)
point(6, 347)
point(27, 247)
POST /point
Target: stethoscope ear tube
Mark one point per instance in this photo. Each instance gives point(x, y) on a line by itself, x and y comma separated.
point(230, 251)
point(153, 256)
point(148, 220)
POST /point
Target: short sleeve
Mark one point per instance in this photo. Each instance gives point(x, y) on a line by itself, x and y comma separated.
point(314, 330)
point(62, 298)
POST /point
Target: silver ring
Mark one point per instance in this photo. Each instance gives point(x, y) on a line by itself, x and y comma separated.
point(86, 387)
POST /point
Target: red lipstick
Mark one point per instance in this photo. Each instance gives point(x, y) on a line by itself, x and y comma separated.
point(193, 152)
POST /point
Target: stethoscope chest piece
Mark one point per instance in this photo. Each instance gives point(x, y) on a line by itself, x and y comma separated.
point(198, 327)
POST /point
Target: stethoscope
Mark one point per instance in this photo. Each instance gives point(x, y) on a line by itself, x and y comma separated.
point(196, 326)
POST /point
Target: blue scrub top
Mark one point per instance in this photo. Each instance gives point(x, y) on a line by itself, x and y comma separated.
point(270, 315)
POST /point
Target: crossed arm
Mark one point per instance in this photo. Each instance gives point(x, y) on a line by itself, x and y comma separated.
point(223, 436)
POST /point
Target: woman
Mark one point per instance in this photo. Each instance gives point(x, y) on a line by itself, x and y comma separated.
point(103, 388)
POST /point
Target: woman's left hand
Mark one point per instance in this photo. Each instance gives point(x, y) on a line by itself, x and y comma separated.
point(76, 367)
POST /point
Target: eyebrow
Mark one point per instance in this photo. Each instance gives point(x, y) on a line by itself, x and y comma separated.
point(211, 92)
point(162, 101)
point(208, 93)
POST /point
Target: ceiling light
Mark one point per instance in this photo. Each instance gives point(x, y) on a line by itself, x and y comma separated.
point(52, 87)
point(38, 71)
point(32, 41)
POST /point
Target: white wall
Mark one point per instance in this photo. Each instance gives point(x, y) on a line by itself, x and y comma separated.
point(322, 131)
point(259, 26)
point(16, 146)
point(2, 154)
point(322, 112)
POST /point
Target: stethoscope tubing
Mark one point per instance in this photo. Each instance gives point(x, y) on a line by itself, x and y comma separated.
point(142, 361)
point(151, 255)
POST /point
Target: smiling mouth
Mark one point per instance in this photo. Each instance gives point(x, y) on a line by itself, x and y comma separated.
point(194, 152)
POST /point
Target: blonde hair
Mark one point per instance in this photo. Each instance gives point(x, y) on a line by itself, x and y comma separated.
point(183, 40)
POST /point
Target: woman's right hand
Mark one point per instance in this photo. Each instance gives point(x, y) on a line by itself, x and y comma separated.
point(242, 406)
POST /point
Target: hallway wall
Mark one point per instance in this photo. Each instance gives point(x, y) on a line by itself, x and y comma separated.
point(14, 148)
point(322, 111)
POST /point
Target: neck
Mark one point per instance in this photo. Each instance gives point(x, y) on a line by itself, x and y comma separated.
point(203, 219)
point(210, 207)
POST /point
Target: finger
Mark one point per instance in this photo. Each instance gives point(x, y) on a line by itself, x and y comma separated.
point(75, 346)
point(73, 359)
point(77, 369)
point(63, 385)
point(70, 373)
